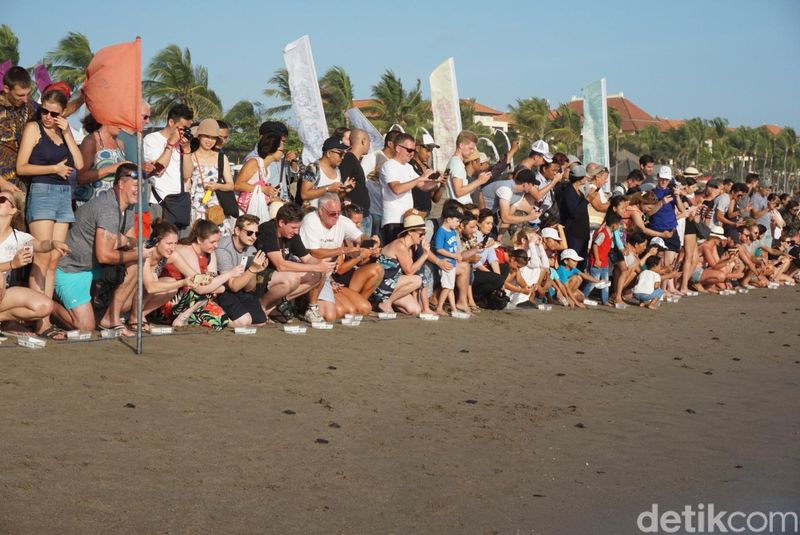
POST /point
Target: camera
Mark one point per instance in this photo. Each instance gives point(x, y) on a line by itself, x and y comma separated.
point(186, 133)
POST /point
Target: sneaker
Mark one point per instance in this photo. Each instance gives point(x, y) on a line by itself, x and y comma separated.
point(313, 315)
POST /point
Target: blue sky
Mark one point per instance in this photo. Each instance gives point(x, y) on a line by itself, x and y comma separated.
point(677, 59)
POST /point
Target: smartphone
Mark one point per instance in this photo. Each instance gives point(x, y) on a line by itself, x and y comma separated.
point(367, 244)
point(27, 249)
point(158, 168)
point(435, 176)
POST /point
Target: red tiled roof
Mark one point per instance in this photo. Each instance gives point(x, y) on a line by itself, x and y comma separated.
point(669, 124)
point(480, 109)
point(773, 129)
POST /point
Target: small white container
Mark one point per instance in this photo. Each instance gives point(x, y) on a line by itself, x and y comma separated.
point(692, 293)
point(460, 315)
point(108, 334)
point(350, 322)
point(79, 335)
point(294, 329)
point(159, 331)
point(621, 306)
point(387, 315)
point(245, 330)
point(590, 302)
point(743, 290)
point(354, 317)
point(31, 342)
point(545, 307)
point(429, 317)
point(322, 325)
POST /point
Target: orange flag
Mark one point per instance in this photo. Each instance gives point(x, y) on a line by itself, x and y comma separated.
point(113, 87)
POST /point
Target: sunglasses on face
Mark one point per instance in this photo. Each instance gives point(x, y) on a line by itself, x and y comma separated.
point(4, 200)
point(410, 151)
point(338, 153)
point(52, 114)
point(146, 117)
point(250, 233)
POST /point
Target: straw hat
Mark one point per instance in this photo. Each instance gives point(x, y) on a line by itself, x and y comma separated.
point(207, 127)
point(413, 221)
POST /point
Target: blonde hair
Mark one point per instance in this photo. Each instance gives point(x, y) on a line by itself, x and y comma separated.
point(466, 136)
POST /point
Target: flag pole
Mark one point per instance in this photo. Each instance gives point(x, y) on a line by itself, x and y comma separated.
point(139, 245)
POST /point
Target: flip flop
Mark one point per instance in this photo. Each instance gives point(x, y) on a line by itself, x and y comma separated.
point(53, 333)
point(145, 327)
point(121, 329)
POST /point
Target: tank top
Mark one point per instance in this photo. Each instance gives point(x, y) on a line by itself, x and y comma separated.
point(102, 158)
point(45, 152)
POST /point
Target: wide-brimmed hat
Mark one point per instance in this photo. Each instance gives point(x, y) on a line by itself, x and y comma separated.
point(207, 127)
point(412, 221)
point(691, 171)
point(716, 232)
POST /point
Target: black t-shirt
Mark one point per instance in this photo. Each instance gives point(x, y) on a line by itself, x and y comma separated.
point(422, 199)
point(268, 241)
point(351, 168)
point(574, 213)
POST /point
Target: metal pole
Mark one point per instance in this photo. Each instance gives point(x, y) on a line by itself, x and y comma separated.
point(139, 246)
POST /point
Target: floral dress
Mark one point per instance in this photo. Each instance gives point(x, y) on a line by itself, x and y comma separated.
point(210, 314)
point(202, 175)
point(391, 274)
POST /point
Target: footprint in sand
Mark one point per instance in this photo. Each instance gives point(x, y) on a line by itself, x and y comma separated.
point(289, 412)
point(579, 425)
point(334, 425)
point(471, 401)
point(130, 406)
point(708, 373)
point(691, 411)
point(322, 441)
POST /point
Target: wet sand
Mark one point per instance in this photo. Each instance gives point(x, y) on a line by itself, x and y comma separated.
point(511, 422)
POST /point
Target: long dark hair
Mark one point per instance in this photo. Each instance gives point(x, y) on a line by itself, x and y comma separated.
point(54, 95)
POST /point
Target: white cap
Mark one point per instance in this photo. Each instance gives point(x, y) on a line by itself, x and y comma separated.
point(483, 157)
point(542, 148)
point(570, 254)
point(658, 242)
point(665, 172)
point(550, 232)
point(427, 140)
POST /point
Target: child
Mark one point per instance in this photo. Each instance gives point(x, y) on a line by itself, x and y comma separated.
point(647, 290)
point(535, 272)
point(515, 286)
point(602, 242)
point(571, 277)
point(445, 246)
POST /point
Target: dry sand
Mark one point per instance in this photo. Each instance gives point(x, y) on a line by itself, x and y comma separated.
point(511, 422)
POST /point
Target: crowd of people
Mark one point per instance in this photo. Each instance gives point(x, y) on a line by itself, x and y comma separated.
point(357, 232)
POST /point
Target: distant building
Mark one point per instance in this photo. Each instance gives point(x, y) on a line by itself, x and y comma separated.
point(483, 114)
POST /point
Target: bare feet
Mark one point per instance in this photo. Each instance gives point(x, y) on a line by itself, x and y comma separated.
point(386, 306)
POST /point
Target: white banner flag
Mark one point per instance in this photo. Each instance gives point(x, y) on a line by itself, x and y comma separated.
point(306, 99)
point(446, 112)
point(358, 120)
point(595, 123)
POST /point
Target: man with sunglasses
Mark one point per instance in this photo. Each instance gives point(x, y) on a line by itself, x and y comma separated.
point(102, 247)
point(240, 301)
point(325, 176)
point(398, 178)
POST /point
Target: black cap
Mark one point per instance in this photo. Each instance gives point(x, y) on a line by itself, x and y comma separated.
point(273, 127)
point(334, 143)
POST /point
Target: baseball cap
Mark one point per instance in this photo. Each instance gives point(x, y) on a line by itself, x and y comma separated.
point(334, 143)
point(665, 173)
point(571, 158)
point(550, 232)
point(658, 242)
point(428, 142)
point(540, 146)
point(578, 171)
point(571, 255)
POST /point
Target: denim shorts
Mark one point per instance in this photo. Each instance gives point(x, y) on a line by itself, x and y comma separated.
point(50, 202)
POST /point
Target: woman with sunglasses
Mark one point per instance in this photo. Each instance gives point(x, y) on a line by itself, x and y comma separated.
point(102, 153)
point(48, 155)
point(17, 248)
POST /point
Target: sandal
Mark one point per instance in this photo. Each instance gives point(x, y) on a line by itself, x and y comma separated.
point(121, 329)
point(53, 333)
point(145, 327)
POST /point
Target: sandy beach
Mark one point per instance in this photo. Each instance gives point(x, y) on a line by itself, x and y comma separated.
point(486, 425)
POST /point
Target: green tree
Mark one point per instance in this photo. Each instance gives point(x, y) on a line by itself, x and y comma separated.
point(280, 90)
point(565, 130)
point(337, 96)
point(468, 122)
point(171, 78)
point(9, 45)
point(244, 118)
point(70, 59)
point(531, 117)
point(394, 105)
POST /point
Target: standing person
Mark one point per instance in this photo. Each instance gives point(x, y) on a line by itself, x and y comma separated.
point(351, 169)
point(128, 137)
point(20, 304)
point(372, 164)
point(445, 246)
point(595, 194)
point(459, 187)
point(398, 178)
point(163, 150)
point(102, 237)
point(325, 176)
point(205, 175)
point(16, 109)
point(424, 199)
point(633, 180)
point(665, 220)
point(646, 165)
point(548, 177)
point(599, 265)
point(574, 212)
point(48, 154)
point(102, 152)
point(256, 175)
point(760, 206)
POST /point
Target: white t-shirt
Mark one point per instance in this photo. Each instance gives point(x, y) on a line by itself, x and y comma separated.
point(368, 164)
point(15, 241)
point(394, 206)
point(458, 171)
point(324, 180)
point(316, 236)
point(170, 181)
point(646, 282)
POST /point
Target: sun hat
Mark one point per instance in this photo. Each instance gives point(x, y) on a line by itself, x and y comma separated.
point(474, 156)
point(550, 232)
point(413, 221)
point(483, 157)
point(207, 127)
point(571, 158)
point(717, 232)
point(570, 254)
point(578, 171)
point(691, 171)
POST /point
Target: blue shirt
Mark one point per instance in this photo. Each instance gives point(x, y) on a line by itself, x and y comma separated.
point(564, 273)
point(447, 240)
point(665, 218)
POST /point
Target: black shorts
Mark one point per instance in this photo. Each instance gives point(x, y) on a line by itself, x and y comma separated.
point(673, 243)
point(237, 304)
point(691, 227)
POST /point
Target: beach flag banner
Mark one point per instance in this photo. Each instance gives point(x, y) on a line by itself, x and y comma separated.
point(113, 86)
point(595, 123)
point(4, 67)
point(359, 120)
point(42, 78)
point(306, 99)
point(446, 112)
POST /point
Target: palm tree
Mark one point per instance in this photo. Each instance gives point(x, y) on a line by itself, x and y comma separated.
point(9, 45)
point(70, 59)
point(531, 116)
point(171, 78)
point(467, 108)
point(337, 96)
point(281, 91)
point(394, 105)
